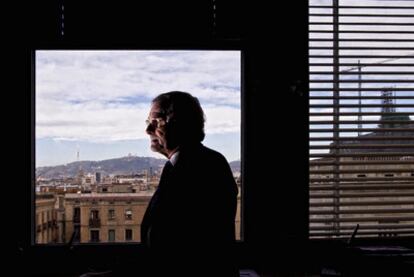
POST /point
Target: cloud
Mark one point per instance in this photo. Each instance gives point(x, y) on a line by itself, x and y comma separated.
point(90, 121)
point(222, 119)
point(103, 75)
point(103, 96)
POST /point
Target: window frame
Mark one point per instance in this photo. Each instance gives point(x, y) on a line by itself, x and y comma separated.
point(220, 47)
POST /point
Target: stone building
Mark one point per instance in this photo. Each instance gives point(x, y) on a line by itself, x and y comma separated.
point(367, 180)
point(105, 217)
point(46, 219)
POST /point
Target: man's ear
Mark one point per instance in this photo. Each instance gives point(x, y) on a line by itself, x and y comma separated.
point(177, 132)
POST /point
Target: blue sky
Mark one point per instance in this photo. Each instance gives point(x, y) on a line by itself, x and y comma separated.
point(97, 101)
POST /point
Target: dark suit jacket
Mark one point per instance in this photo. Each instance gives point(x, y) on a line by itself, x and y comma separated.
point(189, 226)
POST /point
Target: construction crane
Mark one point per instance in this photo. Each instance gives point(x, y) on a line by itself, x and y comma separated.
point(359, 67)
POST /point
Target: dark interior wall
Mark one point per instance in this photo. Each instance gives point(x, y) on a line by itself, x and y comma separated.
point(276, 134)
point(274, 44)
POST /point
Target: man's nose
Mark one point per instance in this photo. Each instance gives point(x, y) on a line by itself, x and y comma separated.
point(149, 129)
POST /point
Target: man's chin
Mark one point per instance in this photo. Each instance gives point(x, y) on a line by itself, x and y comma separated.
point(157, 148)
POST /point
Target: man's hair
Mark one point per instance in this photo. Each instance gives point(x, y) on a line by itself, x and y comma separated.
point(185, 111)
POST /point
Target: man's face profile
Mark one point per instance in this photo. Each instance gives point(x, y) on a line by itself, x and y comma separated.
point(157, 130)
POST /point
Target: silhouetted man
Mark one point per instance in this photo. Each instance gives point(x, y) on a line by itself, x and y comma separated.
point(189, 225)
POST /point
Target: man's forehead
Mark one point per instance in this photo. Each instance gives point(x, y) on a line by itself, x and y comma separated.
point(156, 111)
point(157, 114)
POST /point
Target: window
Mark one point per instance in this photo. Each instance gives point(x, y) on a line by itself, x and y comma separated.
point(94, 214)
point(76, 215)
point(86, 102)
point(76, 233)
point(111, 214)
point(361, 118)
point(94, 220)
point(94, 236)
point(128, 214)
point(128, 234)
point(111, 235)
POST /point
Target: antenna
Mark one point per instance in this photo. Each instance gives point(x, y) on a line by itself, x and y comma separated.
point(80, 171)
point(77, 157)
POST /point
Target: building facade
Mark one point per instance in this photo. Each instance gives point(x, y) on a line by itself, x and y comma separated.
point(367, 180)
point(108, 213)
point(105, 217)
point(46, 219)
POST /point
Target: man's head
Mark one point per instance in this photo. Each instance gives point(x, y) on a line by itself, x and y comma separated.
point(176, 119)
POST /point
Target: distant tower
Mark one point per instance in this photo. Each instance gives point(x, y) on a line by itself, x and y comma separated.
point(389, 116)
point(388, 101)
point(388, 108)
point(77, 158)
point(80, 171)
point(98, 177)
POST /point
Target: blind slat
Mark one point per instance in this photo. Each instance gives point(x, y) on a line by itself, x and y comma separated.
point(361, 211)
point(365, 219)
point(361, 7)
point(364, 23)
point(390, 185)
point(358, 113)
point(362, 203)
point(368, 226)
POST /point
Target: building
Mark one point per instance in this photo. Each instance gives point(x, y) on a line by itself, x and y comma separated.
point(98, 176)
point(366, 180)
point(105, 217)
point(107, 212)
point(115, 188)
point(46, 219)
point(109, 217)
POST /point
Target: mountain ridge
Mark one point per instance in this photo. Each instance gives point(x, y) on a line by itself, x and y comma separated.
point(114, 166)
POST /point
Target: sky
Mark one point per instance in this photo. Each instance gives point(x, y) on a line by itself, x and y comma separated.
point(96, 102)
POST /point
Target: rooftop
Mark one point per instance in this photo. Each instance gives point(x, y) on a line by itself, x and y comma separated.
point(109, 196)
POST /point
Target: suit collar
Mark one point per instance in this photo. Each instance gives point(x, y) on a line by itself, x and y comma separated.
point(174, 158)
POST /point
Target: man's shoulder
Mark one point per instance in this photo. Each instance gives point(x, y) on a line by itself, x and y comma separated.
point(211, 154)
point(204, 156)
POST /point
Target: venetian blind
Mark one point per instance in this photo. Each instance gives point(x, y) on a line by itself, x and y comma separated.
point(361, 118)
